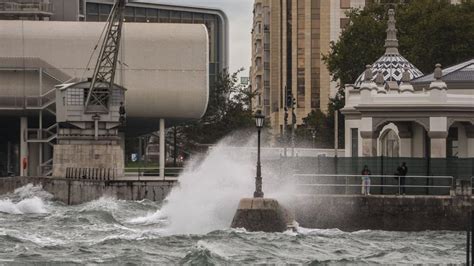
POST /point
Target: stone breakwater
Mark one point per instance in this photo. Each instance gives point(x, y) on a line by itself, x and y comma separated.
point(389, 213)
point(74, 192)
point(345, 212)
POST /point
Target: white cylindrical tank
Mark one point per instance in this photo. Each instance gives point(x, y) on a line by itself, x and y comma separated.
point(164, 67)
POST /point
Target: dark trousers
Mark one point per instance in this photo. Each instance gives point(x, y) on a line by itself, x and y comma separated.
point(402, 184)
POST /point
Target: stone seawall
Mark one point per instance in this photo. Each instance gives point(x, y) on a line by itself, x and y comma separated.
point(79, 191)
point(391, 213)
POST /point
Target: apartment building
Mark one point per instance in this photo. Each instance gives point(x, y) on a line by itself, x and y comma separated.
point(288, 38)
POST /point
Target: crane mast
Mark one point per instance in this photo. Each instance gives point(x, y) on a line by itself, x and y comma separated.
point(90, 112)
point(98, 96)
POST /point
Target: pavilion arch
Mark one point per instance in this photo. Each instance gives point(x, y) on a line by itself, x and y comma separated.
point(411, 137)
point(389, 141)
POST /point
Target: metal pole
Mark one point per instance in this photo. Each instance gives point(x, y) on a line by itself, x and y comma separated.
point(285, 136)
point(9, 154)
point(258, 180)
point(162, 149)
point(293, 123)
point(175, 151)
point(472, 235)
point(336, 132)
point(468, 238)
point(23, 146)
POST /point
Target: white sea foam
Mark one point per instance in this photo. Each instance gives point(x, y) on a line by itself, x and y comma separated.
point(26, 206)
point(30, 191)
point(150, 218)
point(208, 194)
point(209, 191)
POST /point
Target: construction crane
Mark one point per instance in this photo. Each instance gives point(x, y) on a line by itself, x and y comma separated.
point(89, 114)
point(104, 73)
point(96, 105)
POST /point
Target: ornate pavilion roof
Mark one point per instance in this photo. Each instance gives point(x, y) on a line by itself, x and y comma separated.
point(391, 64)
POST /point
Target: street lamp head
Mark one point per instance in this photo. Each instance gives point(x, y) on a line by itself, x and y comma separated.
point(259, 119)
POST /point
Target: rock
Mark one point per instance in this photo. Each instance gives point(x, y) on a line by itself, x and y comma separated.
point(260, 214)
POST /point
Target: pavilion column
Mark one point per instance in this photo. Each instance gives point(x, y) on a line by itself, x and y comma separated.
point(369, 143)
point(369, 137)
point(406, 136)
point(470, 141)
point(438, 134)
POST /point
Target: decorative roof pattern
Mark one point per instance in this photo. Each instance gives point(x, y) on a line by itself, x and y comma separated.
point(392, 67)
point(391, 64)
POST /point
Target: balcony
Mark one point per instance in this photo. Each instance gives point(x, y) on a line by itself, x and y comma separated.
point(26, 7)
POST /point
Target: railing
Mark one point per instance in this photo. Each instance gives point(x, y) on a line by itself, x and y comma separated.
point(26, 6)
point(386, 184)
point(152, 172)
point(28, 102)
point(101, 174)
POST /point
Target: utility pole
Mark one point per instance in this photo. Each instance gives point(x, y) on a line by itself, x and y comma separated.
point(293, 123)
point(285, 126)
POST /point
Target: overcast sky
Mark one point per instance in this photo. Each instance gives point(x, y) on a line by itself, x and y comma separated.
point(239, 13)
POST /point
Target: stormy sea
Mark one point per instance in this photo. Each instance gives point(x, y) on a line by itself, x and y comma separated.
point(192, 227)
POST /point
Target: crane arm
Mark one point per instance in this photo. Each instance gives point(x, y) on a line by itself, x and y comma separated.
point(104, 72)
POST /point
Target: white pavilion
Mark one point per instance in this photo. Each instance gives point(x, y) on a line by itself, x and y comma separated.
point(393, 110)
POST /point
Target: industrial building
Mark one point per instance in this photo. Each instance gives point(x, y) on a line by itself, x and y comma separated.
point(167, 72)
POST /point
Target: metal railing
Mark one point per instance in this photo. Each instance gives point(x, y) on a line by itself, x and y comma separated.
point(384, 184)
point(28, 102)
point(152, 172)
point(26, 6)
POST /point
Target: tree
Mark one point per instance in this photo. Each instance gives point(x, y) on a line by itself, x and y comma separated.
point(429, 32)
point(228, 110)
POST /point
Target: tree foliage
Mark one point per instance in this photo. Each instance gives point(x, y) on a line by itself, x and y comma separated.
point(228, 110)
point(430, 32)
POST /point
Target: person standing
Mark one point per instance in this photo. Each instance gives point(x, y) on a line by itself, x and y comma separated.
point(366, 180)
point(403, 173)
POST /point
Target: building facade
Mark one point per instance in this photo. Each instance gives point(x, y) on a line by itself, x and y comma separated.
point(288, 39)
point(393, 110)
point(98, 10)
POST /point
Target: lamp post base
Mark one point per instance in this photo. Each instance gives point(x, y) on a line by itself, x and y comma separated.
point(259, 214)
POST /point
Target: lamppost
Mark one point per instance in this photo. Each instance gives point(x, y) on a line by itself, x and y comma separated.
point(259, 120)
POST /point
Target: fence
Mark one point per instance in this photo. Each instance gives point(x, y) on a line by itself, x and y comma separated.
point(458, 168)
point(387, 185)
point(152, 171)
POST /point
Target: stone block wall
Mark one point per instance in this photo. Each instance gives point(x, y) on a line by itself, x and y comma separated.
point(82, 156)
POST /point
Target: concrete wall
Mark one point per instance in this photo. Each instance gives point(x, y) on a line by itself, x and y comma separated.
point(392, 213)
point(77, 192)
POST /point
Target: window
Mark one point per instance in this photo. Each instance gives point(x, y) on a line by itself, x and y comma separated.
point(355, 142)
point(104, 12)
point(151, 15)
point(164, 16)
point(345, 4)
point(75, 96)
point(129, 14)
point(140, 14)
point(344, 22)
point(92, 12)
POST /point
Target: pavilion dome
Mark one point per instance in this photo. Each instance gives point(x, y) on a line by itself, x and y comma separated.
point(391, 64)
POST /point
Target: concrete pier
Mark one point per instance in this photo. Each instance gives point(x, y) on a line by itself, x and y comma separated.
point(390, 213)
point(260, 215)
point(80, 191)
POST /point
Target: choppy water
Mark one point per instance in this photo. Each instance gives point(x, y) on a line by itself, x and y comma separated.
point(33, 228)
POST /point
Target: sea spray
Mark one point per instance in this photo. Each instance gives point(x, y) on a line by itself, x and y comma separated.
point(33, 205)
point(29, 199)
point(208, 194)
